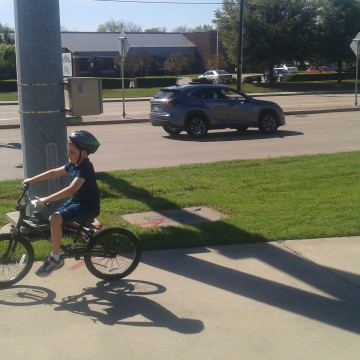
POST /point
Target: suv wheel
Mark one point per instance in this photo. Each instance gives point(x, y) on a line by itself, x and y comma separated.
point(196, 126)
point(172, 131)
point(268, 123)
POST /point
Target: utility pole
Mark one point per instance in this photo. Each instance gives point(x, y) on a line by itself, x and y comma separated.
point(40, 90)
point(240, 46)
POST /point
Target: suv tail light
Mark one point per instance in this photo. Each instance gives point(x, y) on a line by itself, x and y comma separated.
point(168, 103)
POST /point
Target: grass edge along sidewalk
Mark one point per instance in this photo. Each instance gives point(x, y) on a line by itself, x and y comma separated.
point(300, 197)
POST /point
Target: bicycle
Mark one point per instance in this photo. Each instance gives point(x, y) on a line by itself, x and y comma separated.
point(109, 254)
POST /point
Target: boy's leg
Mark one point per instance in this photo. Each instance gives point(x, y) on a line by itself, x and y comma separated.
point(54, 261)
point(56, 232)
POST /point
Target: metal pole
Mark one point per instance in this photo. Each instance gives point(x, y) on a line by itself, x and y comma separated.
point(357, 70)
point(122, 76)
point(122, 38)
point(240, 48)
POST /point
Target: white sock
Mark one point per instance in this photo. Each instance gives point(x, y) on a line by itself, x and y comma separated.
point(55, 257)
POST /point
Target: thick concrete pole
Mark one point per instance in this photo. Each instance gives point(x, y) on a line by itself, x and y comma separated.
point(41, 89)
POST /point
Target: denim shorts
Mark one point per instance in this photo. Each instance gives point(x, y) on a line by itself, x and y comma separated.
point(76, 212)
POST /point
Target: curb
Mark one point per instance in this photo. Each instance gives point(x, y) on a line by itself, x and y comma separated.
point(145, 120)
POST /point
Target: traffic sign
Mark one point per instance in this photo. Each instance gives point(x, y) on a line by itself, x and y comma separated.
point(354, 45)
point(124, 44)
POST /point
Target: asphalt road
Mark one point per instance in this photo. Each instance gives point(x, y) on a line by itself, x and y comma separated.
point(140, 109)
point(140, 145)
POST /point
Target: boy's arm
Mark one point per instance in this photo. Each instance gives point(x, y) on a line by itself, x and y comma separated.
point(64, 193)
point(47, 175)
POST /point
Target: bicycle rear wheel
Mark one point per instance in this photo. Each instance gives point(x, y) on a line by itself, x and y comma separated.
point(16, 259)
point(112, 254)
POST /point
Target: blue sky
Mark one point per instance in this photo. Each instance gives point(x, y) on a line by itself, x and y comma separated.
point(87, 15)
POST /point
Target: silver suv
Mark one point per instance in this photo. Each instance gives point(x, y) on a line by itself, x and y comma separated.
point(199, 108)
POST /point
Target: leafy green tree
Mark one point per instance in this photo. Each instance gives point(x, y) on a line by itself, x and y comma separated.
point(7, 59)
point(339, 23)
point(274, 30)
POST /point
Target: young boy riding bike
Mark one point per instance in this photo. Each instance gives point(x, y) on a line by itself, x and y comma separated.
point(84, 202)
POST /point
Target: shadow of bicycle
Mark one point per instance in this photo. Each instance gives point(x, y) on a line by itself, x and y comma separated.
point(124, 303)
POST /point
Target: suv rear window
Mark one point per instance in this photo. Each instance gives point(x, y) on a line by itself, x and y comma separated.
point(166, 94)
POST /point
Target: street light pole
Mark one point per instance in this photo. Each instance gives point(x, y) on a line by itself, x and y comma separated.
point(357, 70)
point(122, 38)
point(240, 47)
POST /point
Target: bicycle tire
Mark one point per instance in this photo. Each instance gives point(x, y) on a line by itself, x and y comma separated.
point(112, 254)
point(16, 259)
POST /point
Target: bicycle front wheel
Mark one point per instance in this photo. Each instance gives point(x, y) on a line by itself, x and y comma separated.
point(112, 254)
point(16, 259)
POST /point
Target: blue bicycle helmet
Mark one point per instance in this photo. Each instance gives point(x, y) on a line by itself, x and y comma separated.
point(84, 141)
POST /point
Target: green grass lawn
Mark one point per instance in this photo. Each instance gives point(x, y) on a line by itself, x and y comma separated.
point(248, 88)
point(263, 200)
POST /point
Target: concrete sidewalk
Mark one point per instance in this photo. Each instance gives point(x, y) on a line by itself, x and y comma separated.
point(287, 300)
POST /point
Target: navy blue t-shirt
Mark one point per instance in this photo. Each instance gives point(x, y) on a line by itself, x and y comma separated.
point(88, 194)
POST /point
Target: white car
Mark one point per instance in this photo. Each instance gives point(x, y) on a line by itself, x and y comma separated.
point(289, 68)
point(217, 76)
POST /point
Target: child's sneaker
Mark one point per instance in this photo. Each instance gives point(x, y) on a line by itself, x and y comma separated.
point(49, 266)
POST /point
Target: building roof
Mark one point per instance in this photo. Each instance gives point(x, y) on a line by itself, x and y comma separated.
point(106, 41)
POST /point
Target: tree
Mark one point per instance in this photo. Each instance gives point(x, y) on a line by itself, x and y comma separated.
point(7, 60)
point(118, 26)
point(6, 35)
point(217, 62)
point(135, 64)
point(339, 24)
point(203, 28)
point(182, 29)
point(274, 30)
point(177, 63)
point(95, 65)
point(156, 30)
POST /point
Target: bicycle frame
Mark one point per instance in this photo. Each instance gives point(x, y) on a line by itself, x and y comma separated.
point(109, 254)
point(35, 225)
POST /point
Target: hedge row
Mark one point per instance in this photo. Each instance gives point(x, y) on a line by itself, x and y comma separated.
point(140, 82)
point(110, 83)
point(317, 77)
point(8, 86)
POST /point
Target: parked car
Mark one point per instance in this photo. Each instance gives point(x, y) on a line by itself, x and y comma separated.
point(281, 73)
point(289, 68)
point(217, 76)
point(320, 69)
point(199, 108)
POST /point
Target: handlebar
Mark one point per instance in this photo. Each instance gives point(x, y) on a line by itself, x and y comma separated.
point(24, 195)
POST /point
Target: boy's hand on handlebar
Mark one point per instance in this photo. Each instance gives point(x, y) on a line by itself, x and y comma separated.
point(26, 183)
point(43, 202)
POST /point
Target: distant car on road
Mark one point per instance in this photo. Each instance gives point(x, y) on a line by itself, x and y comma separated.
point(217, 76)
point(199, 108)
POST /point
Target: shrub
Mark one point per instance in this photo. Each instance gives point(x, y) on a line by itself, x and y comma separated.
point(251, 79)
